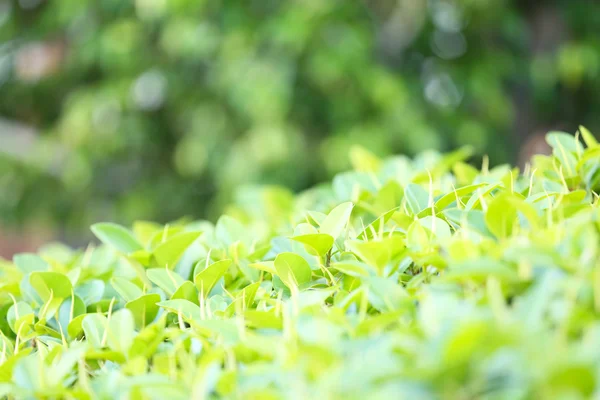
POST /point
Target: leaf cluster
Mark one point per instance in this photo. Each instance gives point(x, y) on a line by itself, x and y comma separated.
point(422, 278)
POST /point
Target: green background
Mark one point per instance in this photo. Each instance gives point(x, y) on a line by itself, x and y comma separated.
point(156, 109)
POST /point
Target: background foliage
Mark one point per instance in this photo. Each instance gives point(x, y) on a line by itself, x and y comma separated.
point(159, 108)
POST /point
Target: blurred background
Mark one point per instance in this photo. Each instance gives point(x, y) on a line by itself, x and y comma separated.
point(114, 110)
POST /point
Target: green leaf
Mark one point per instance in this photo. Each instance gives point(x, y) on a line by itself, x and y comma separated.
point(563, 141)
point(144, 257)
point(363, 160)
point(377, 253)
point(75, 327)
point(27, 262)
point(501, 216)
point(266, 266)
point(7, 367)
point(387, 295)
point(315, 217)
point(336, 220)
point(187, 291)
point(417, 198)
point(121, 330)
point(145, 230)
point(389, 197)
point(479, 194)
point(588, 138)
point(292, 269)
point(207, 279)
point(244, 299)
point(443, 165)
point(317, 243)
point(263, 319)
point(163, 235)
point(168, 253)
point(116, 236)
point(352, 268)
point(94, 326)
point(144, 309)
point(20, 315)
point(452, 196)
point(147, 341)
point(189, 311)
point(71, 308)
point(90, 291)
point(63, 365)
point(376, 227)
point(26, 373)
point(248, 294)
point(229, 230)
point(165, 279)
point(417, 238)
point(465, 173)
point(105, 355)
point(127, 290)
point(480, 269)
point(564, 146)
point(46, 283)
point(437, 226)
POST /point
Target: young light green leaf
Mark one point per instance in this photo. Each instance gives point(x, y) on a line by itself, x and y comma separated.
point(564, 148)
point(116, 236)
point(169, 252)
point(292, 269)
point(71, 308)
point(315, 217)
point(144, 309)
point(377, 253)
point(352, 268)
point(266, 266)
point(165, 279)
point(94, 326)
point(127, 290)
point(502, 213)
point(51, 284)
point(417, 198)
point(243, 300)
point(189, 311)
point(20, 314)
point(145, 230)
point(562, 141)
point(437, 226)
point(229, 230)
point(386, 295)
point(375, 227)
point(75, 327)
point(187, 291)
point(452, 196)
point(588, 138)
point(207, 278)
point(317, 244)
point(263, 319)
point(121, 330)
point(62, 366)
point(417, 237)
point(336, 220)
point(27, 262)
point(363, 160)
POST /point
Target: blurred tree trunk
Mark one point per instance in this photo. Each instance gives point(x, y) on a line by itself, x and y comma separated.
point(547, 31)
point(13, 242)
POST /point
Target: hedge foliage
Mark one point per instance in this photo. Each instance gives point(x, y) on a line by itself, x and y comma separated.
point(420, 279)
point(136, 100)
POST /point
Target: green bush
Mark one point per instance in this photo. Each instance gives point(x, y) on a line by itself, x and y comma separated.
point(420, 279)
point(142, 99)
